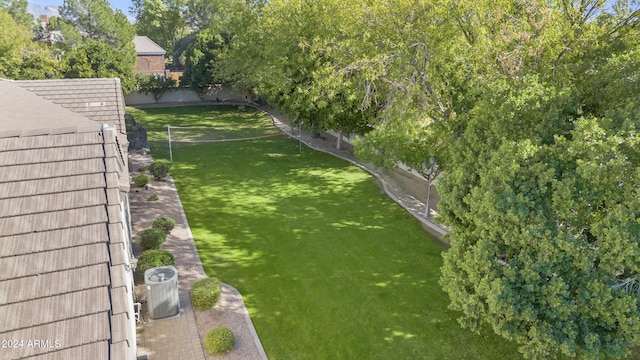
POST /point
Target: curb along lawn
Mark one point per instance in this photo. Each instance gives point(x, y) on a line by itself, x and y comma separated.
point(329, 267)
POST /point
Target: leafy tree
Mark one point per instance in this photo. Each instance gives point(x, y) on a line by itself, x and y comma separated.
point(161, 21)
point(211, 14)
point(13, 39)
point(242, 62)
point(295, 55)
point(95, 59)
point(202, 72)
point(544, 233)
point(38, 62)
point(179, 48)
point(154, 84)
point(85, 22)
point(95, 19)
point(71, 37)
point(203, 52)
point(18, 10)
point(541, 185)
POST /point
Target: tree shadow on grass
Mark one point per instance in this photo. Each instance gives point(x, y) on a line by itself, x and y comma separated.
point(328, 266)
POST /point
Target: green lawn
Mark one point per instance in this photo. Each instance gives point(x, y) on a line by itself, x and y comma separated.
point(329, 266)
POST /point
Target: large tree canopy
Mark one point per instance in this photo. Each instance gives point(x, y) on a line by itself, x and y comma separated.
point(18, 10)
point(13, 39)
point(85, 23)
point(542, 178)
point(201, 67)
point(295, 54)
point(544, 230)
point(95, 59)
point(162, 21)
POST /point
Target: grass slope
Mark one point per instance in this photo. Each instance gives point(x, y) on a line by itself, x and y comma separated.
point(328, 266)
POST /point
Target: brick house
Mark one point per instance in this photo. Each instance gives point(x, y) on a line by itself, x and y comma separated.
point(150, 56)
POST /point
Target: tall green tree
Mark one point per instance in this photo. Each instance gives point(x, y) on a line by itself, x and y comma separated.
point(205, 56)
point(18, 10)
point(162, 21)
point(207, 14)
point(85, 23)
point(201, 72)
point(543, 232)
point(296, 51)
point(95, 59)
point(39, 62)
point(13, 39)
point(541, 184)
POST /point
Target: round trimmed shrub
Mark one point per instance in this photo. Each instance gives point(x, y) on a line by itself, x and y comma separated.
point(152, 238)
point(219, 340)
point(141, 180)
point(164, 223)
point(154, 258)
point(159, 169)
point(205, 293)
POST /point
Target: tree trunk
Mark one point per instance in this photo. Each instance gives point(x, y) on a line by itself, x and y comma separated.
point(339, 142)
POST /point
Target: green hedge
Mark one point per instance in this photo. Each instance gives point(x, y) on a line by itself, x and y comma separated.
point(219, 340)
point(164, 223)
point(152, 238)
point(205, 293)
point(141, 180)
point(154, 258)
point(159, 169)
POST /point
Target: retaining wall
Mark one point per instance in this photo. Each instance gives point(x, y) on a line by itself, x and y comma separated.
point(221, 94)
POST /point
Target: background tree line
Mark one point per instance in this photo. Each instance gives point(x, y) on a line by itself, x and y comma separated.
point(530, 108)
point(96, 42)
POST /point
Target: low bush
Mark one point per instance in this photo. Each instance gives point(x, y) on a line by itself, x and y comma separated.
point(141, 180)
point(159, 169)
point(152, 238)
point(164, 223)
point(205, 293)
point(219, 340)
point(154, 258)
point(153, 197)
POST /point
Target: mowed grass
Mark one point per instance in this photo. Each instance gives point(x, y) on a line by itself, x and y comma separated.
point(329, 267)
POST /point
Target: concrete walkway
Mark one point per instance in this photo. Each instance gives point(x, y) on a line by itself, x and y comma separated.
point(181, 337)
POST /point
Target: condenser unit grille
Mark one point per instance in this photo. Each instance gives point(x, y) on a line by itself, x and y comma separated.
point(163, 299)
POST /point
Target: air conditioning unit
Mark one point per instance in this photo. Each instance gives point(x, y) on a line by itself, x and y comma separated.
point(163, 299)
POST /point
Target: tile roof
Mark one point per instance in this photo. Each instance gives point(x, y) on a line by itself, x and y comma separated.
point(64, 288)
point(100, 100)
point(146, 46)
point(15, 100)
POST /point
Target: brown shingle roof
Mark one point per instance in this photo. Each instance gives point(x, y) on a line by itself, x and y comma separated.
point(63, 250)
